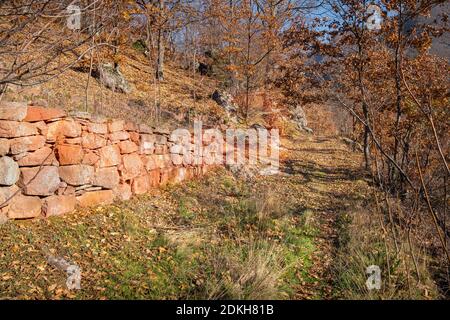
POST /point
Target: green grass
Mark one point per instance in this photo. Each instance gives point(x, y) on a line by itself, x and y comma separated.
point(128, 251)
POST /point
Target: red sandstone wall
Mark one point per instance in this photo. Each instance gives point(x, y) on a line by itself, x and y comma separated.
point(51, 162)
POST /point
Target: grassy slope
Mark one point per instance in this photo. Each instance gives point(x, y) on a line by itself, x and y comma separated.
point(218, 237)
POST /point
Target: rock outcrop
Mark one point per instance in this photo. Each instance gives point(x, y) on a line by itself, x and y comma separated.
point(225, 100)
point(113, 79)
point(299, 117)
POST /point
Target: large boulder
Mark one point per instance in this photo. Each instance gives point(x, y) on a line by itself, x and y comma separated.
point(9, 171)
point(299, 117)
point(113, 79)
point(225, 100)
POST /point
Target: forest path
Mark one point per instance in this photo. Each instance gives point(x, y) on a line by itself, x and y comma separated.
point(219, 236)
point(329, 180)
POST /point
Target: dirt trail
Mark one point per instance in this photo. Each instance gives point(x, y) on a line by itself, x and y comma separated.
point(180, 241)
point(330, 181)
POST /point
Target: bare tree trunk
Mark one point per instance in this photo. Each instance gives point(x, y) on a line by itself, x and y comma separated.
point(160, 58)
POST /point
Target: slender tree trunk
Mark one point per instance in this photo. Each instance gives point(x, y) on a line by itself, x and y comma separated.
point(161, 48)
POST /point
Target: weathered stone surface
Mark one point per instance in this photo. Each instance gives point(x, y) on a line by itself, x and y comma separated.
point(107, 178)
point(128, 147)
point(13, 111)
point(148, 138)
point(42, 128)
point(143, 128)
point(116, 125)
point(69, 191)
point(93, 141)
point(90, 158)
point(180, 174)
point(23, 207)
point(161, 130)
point(141, 184)
point(164, 161)
point(165, 176)
point(39, 181)
point(69, 154)
point(77, 175)
point(35, 114)
point(134, 136)
point(176, 149)
point(42, 156)
point(147, 145)
point(6, 193)
point(132, 166)
point(154, 177)
point(123, 191)
point(95, 198)
point(58, 205)
point(4, 146)
point(99, 128)
point(177, 159)
point(150, 162)
point(13, 129)
point(225, 100)
point(24, 144)
point(63, 128)
point(109, 156)
point(112, 78)
point(78, 140)
point(9, 171)
point(130, 126)
point(161, 149)
point(119, 135)
point(160, 139)
point(77, 114)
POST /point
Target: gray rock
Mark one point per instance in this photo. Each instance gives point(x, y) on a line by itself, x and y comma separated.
point(9, 171)
point(299, 117)
point(353, 144)
point(112, 78)
point(225, 100)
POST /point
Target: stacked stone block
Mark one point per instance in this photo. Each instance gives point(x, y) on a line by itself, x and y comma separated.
point(51, 162)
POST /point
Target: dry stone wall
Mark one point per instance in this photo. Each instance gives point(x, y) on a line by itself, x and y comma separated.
point(52, 162)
